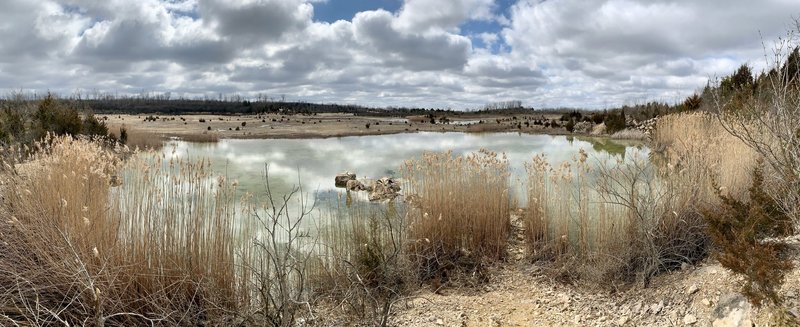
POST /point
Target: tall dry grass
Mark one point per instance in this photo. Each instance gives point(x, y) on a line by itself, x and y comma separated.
point(459, 210)
point(364, 264)
point(633, 218)
point(697, 142)
point(80, 248)
point(612, 221)
point(138, 139)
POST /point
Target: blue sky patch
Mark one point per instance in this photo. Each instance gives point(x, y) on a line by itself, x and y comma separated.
point(334, 10)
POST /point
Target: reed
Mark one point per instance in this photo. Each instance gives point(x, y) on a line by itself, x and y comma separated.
point(698, 142)
point(364, 264)
point(459, 210)
point(611, 221)
point(91, 240)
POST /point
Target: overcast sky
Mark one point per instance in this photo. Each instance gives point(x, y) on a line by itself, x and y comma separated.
point(440, 53)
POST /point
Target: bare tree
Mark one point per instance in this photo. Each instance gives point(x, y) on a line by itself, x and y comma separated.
point(768, 120)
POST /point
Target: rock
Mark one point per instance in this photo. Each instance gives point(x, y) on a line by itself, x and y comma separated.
point(656, 308)
point(599, 129)
point(341, 179)
point(585, 127)
point(355, 185)
point(706, 302)
point(733, 310)
point(689, 319)
point(692, 289)
point(383, 189)
point(637, 307)
point(622, 320)
point(439, 322)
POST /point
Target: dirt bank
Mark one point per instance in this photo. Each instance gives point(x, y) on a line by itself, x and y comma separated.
point(316, 126)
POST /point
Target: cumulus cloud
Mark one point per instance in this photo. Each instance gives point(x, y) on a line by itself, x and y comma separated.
point(429, 50)
point(545, 53)
point(447, 15)
point(255, 21)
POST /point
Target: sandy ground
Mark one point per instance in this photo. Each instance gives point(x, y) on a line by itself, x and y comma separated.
point(302, 126)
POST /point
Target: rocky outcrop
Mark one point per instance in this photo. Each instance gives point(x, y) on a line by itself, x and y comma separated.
point(384, 189)
point(733, 310)
point(646, 126)
point(355, 185)
point(341, 179)
point(584, 127)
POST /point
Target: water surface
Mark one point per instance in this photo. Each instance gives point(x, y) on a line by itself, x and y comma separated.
point(313, 163)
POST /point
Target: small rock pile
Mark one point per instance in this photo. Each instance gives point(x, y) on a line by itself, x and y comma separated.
point(385, 188)
point(646, 126)
point(584, 127)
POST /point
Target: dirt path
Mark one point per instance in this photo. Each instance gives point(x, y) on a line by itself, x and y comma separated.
point(519, 294)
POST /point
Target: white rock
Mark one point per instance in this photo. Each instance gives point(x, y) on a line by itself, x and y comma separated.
point(692, 289)
point(656, 308)
point(689, 319)
point(733, 310)
point(706, 302)
point(622, 320)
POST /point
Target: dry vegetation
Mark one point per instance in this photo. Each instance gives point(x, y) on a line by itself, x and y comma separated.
point(460, 216)
point(90, 239)
point(87, 245)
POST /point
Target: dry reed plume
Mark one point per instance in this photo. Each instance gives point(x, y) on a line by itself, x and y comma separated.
point(459, 213)
point(611, 221)
point(81, 249)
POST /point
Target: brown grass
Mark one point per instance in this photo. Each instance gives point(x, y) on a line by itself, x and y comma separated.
point(459, 213)
point(612, 221)
point(364, 266)
point(81, 249)
point(139, 139)
point(698, 142)
point(206, 137)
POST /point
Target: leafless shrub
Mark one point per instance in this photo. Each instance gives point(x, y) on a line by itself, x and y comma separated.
point(276, 265)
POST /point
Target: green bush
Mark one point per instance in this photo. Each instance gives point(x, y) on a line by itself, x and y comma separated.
point(615, 122)
point(570, 126)
point(692, 102)
point(739, 229)
point(93, 127)
point(53, 117)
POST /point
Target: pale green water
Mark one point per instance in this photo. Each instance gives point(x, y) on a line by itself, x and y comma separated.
point(318, 160)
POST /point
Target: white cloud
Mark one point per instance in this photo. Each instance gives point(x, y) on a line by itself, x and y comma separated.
point(421, 15)
point(551, 53)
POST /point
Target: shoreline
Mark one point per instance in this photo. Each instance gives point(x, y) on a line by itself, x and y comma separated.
point(211, 128)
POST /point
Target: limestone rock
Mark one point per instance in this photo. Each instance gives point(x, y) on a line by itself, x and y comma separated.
point(692, 289)
point(689, 319)
point(384, 189)
point(355, 185)
point(733, 310)
point(341, 179)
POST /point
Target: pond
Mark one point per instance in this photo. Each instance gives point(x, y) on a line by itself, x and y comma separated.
point(313, 163)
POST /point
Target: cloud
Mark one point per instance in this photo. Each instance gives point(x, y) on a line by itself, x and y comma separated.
point(432, 50)
point(545, 53)
point(255, 21)
point(421, 15)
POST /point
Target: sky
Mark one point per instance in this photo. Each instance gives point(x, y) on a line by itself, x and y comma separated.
point(419, 53)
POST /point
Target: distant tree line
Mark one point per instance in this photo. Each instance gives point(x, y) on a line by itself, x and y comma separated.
point(25, 121)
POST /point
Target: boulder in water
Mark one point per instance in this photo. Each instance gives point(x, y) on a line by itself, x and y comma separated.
point(341, 179)
point(355, 185)
point(384, 189)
